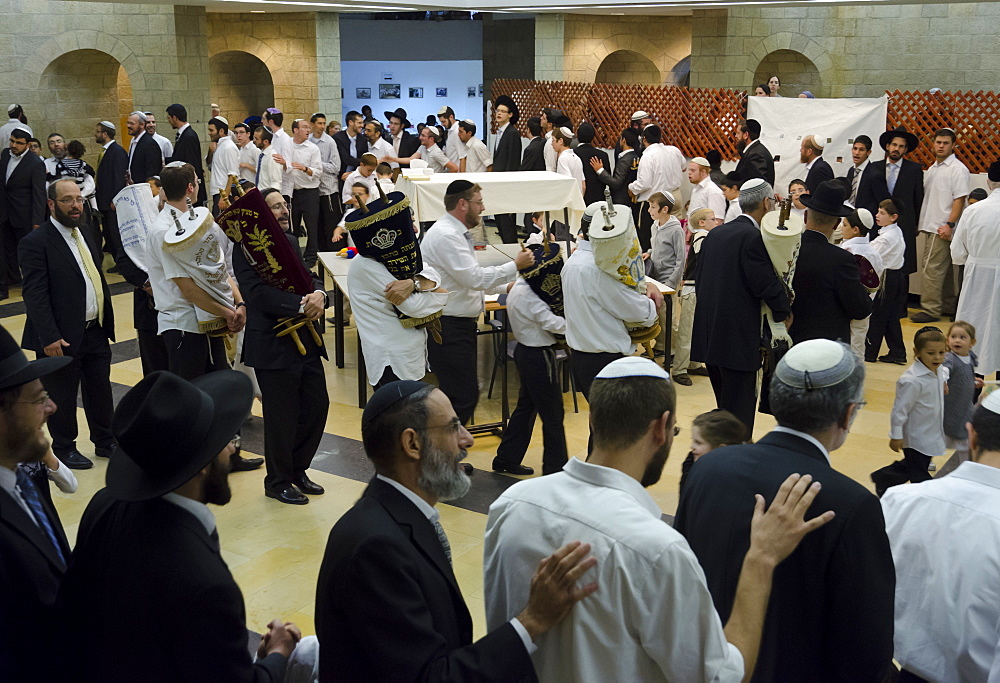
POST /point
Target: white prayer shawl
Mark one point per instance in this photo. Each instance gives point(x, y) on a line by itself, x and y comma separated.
point(976, 245)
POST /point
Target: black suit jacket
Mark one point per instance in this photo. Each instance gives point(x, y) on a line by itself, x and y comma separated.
point(534, 155)
point(909, 190)
point(25, 192)
point(866, 197)
point(388, 607)
point(111, 175)
point(820, 172)
point(507, 156)
point(756, 162)
point(828, 291)
point(147, 159)
point(153, 565)
point(595, 182)
point(187, 148)
point(733, 276)
point(30, 574)
point(54, 290)
point(265, 306)
point(830, 616)
point(344, 149)
point(625, 171)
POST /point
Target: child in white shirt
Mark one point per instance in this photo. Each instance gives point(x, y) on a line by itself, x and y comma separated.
point(890, 302)
point(700, 223)
point(855, 229)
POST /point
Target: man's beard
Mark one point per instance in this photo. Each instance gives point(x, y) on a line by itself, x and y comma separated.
point(895, 155)
point(439, 475)
point(217, 489)
point(741, 145)
point(65, 219)
point(803, 158)
point(654, 469)
point(470, 220)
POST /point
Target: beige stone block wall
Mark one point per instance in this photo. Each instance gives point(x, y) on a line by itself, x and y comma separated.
point(549, 47)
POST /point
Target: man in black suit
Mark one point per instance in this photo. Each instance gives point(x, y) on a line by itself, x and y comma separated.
point(292, 385)
point(817, 170)
point(834, 594)
point(69, 313)
point(33, 547)
point(626, 168)
point(734, 276)
point(388, 606)
point(351, 144)
point(507, 157)
point(404, 143)
point(112, 164)
point(827, 285)
point(756, 161)
point(187, 146)
point(907, 192)
point(23, 175)
point(588, 154)
point(148, 548)
point(859, 177)
point(145, 158)
point(534, 154)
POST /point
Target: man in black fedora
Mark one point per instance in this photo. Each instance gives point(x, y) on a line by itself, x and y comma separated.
point(147, 553)
point(827, 285)
point(404, 143)
point(507, 157)
point(902, 181)
point(33, 547)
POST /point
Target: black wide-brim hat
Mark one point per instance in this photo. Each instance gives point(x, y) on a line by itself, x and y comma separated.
point(169, 429)
point(400, 114)
point(17, 370)
point(828, 199)
point(506, 101)
point(911, 140)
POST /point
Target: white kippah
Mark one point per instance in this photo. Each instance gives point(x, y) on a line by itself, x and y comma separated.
point(139, 115)
point(639, 115)
point(566, 132)
point(818, 140)
point(992, 402)
point(434, 129)
point(108, 124)
point(226, 121)
point(815, 364)
point(632, 366)
point(443, 111)
point(866, 218)
point(702, 161)
point(11, 109)
point(469, 121)
point(213, 105)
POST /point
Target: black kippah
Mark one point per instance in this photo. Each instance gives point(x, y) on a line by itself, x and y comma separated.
point(994, 173)
point(753, 127)
point(458, 187)
point(387, 396)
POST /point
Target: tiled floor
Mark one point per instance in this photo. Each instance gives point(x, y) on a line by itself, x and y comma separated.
point(275, 550)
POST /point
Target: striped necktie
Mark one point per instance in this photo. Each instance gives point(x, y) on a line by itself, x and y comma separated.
point(443, 538)
point(854, 185)
point(90, 272)
point(31, 497)
point(257, 177)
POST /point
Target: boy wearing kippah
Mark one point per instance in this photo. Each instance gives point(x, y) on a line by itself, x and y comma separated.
point(890, 302)
point(855, 229)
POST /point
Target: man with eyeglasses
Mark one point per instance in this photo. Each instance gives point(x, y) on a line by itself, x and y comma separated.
point(69, 313)
point(22, 174)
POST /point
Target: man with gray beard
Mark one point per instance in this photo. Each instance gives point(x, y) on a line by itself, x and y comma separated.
point(388, 606)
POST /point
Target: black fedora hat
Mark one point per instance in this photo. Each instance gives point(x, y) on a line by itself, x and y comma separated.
point(169, 429)
point(828, 199)
point(900, 132)
point(400, 114)
point(16, 369)
point(506, 101)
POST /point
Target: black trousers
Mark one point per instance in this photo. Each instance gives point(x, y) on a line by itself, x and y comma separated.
point(152, 352)
point(454, 363)
point(540, 394)
point(912, 468)
point(10, 236)
point(330, 213)
point(295, 409)
point(507, 227)
point(644, 228)
point(585, 367)
point(305, 209)
point(735, 391)
point(388, 376)
point(192, 355)
point(889, 306)
point(90, 375)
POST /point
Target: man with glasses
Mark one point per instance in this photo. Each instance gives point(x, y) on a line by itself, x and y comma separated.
point(69, 313)
point(23, 197)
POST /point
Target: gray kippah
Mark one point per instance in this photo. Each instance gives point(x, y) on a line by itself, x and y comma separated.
point(756, 189)
point(815, 364)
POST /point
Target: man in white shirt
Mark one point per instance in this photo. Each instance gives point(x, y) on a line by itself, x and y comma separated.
point(568, 163)
point(15, 112)
point(447, 248)
point(653, 618)
point(660, 168)
point(429, 151)
point(946, 186)
point(552, 119)
point(282, 143)
point(477, 157)
point(225, 161)
point(305, 166)
point(705, 194)
point(329, 183)
point(249, 154)
point(166, 146)
point(269, 174)
point(945, 537)
point(454, 149)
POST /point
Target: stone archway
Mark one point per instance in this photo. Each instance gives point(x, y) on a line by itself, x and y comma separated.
point(681, 73)
point(796, 72)
point(627, 66)
point(241, 84)
point(638, 52)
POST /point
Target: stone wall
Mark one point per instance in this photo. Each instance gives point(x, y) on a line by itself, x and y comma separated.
point(508, 50)
point(550, 47)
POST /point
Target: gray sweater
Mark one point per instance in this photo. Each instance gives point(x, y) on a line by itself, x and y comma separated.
point(667, 259)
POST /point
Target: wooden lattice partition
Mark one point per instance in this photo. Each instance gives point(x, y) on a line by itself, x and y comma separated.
point(975, 117)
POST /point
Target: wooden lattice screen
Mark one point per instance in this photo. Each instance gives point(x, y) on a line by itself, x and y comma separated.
point(699, 119)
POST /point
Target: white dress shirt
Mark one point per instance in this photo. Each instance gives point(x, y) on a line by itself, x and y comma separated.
point(225, 162)
point(166, 147)
point(454, 148)
point(733, 210)
point(945, 540)
point(380, 148)
point(447, 248)
point(918, 411)
point(12, 163)
point(707, 195)
point(271, 175)
point(531, 319)
point(570, 164)
point(434, 157)
point(307, 154)
point(944, 182)
point(652, 618)
point(90, 307)
point(891, 246)
point(597, 305)
point(660, 168)
point(8, 128)
point(477, 157)
point(249, 155)
point(385, 341)
point(858, 172)
point(330, 158)
point(499, 134)
point(174, 312)
point(549, 153)
point(356, 177)
point(282, 144)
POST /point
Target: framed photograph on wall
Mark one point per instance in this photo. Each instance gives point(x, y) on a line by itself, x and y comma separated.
point(388, 91)
point(416, 93)
point(471, 90)
point(363, 93)
point(441, 92)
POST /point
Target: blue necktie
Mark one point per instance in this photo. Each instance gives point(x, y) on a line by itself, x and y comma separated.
point(31, 496)
point(256, 179)
point(891, 183)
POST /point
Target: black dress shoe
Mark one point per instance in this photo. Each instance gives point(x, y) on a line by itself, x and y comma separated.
point(892, 359)
point(700, 372)
point(241, 464)
point(307, 485)
point(520, 470)
point(924, 317)
point(870, 360)
point(75, 460)
point(109, 452)
point(683, 379)
point(290, 495)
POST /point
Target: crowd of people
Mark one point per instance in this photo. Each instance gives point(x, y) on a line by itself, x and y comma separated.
point(814, 579)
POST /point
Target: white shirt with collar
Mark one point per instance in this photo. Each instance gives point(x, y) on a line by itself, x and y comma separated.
point(282, 144)
point(570, 164)
point(90, 307)
point(944, 182)
point(811, 164)
point(174, 312)
point(381, 149)
point(891, 246)
point(434, 157)
point(549, 153)
point(225, 162)
point(447, 248)
point(271, 175)
point(499, 134)
point(181, 130)
point(707, 195)
point(249, 154)
point(356, 177)
point(166, 147)
point(531, 320)
point(945, 541)
point(660, 168)
point(653, 608)
point(858, 172)
point(13, 161)
point(454, 148)
point(918, 412)
point(307, 154)
point(196, 508)
point(330, 158)
point(597, 306)
point(477, 157)
point(733, 210)
point(7, 128)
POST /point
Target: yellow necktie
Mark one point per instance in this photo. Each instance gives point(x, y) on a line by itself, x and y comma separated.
point(90, 270)
point(100, 157)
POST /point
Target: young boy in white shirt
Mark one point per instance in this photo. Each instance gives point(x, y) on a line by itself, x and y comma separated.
point(855, 229)
point(700, 222)
point(384, 174)
point(890, 302)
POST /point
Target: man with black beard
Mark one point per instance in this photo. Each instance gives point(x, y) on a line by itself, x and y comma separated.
point(756, 160)
point(388, 606)
point(147, 552)
point(653, 619)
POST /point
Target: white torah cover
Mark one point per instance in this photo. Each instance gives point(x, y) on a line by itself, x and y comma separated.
point(136, 208)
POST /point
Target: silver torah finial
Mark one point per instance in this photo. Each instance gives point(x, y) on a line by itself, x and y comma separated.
point(191, 208)
point(612, 211)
